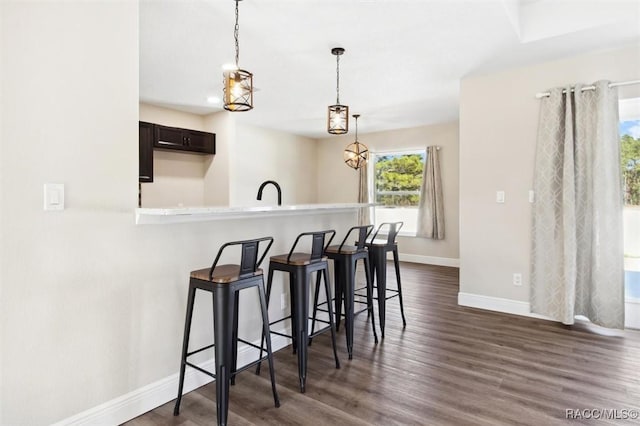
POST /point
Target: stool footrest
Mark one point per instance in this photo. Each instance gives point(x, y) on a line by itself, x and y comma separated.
point(253, 345)
point(200, 350)
point(239, 370)
point(280, 320)
point(251, 364)
point(322, 321)
point(310, 336)
point(315, 333)
point(343, 315)
point(281, 334)
point(202, 370)
point(392, 290)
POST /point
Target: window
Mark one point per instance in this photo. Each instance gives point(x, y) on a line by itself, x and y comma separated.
point(397, 178)
point(630, 165)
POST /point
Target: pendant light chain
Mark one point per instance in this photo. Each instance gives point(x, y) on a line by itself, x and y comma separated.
point(338, 79)
point(236, 30)
point(356, 117)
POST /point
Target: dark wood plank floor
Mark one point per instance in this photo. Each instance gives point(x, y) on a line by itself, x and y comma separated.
point(451, 365)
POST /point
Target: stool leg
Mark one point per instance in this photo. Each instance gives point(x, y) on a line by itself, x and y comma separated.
point(234, 339)
point(380, 265)
point(223, 307)
point(338, 276)
point(367, 273)
point(397, 265)
point(269, 283)
point(371, 259)
point(266, 332)
point(292, 297)
point(315, 307)
point(185, 346)
point(348, 280)
point(332, 324)
point(301, 284)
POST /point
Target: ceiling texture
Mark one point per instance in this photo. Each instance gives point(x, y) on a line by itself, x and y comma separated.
point(403, 63)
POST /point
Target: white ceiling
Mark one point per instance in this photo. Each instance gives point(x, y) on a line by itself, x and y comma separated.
point(403, 62)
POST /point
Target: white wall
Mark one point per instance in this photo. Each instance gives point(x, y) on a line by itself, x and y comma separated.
point(217, 181)
point(70, 85)
point(339, 183)
point(263, 154)
point(498, 124)
point(178, 180)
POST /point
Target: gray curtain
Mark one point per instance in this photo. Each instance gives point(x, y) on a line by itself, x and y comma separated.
point(577, 253)
point(364, 213)
point(431, 208)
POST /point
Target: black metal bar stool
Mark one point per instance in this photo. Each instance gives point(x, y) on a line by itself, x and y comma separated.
point(378, 249)
point(300, 266)
point(225, 282)
point(345, 258)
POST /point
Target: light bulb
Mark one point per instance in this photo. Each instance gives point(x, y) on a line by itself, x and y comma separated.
point(236, 89)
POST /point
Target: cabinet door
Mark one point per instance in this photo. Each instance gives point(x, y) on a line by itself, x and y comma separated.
point(200, 141)
point(145, 152)
point(169, 137)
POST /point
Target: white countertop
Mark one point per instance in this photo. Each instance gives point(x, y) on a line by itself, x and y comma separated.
point(148, 216)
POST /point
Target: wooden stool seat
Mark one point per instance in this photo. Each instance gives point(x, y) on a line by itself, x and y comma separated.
point(297, 259)
point(222, 274)
point(344, 249)
point(379, 242)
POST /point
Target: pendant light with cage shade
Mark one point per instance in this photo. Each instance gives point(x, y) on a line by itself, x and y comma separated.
point(238, 83)
point(338, 115)
point(356, 154)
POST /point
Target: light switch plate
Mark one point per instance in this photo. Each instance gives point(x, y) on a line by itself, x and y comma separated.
point(53, 196)
point(500, 197)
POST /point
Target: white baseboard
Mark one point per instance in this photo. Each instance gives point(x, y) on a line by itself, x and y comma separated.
point(427, 260)
point(498, 304)
point(508, 306)
point(140, 401)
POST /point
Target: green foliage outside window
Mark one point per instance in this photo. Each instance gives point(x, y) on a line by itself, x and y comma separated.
point(398, 179)
point(630, 162)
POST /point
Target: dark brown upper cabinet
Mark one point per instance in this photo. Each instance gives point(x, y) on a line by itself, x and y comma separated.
point(175, 138)
point(145, 152)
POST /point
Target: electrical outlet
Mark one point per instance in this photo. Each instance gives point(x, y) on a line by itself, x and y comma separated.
point(517, 279)
point(283, 301)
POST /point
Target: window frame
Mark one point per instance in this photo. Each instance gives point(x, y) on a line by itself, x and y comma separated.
point(372, 185)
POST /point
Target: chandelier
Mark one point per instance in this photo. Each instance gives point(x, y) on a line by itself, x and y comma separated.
point(356, 154)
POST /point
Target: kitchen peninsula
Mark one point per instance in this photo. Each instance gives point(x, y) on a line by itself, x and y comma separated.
point(146, 216)
point(196, 234)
